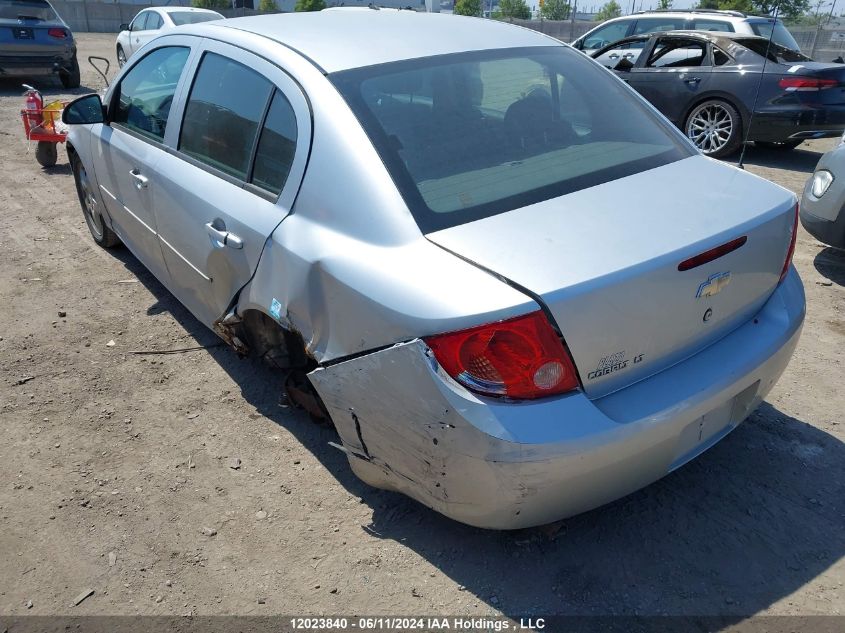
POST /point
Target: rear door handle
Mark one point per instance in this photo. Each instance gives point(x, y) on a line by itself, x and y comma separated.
point(614, 56)
point(140, 181)
point(692, 80)
point(223, 237)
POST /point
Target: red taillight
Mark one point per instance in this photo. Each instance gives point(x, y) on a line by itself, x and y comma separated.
point(791, 251)
point(520, 358)
point(806, 84)
point(56, 32)
point(714, 253)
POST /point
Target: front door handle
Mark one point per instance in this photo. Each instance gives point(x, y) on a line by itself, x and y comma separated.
point(692, 80)
point(140, 181)
point(223, 237)
point(614, 56)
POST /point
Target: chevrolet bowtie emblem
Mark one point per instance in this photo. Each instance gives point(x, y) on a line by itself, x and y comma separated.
point(713, 285)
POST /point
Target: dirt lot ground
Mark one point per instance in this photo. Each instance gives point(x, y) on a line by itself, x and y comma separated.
point(112, 464)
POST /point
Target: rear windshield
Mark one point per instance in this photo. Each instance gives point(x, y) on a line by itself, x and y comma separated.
point(774, 52)
point(192, 17)
point(471, 135)
point(23, 9)
point(781, 35)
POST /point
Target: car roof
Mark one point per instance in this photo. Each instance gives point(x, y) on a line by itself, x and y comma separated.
point(713, 36)
point(344, 38)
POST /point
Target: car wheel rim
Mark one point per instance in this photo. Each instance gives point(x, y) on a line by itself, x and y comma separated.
point(121, 58)
point(710, 127)
point(89, 204)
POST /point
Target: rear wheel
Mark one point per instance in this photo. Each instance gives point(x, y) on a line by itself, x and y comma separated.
point(46, 153)
point(101, 233)
point(70, 78)
point(121, 56)
point(714, 127)
point(782, 146)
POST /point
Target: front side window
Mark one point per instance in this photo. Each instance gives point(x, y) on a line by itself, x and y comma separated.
point(223, 113)
point(146, 92)
point(470, 135)
point(140, 21)
point(154, 22)
point(607, 35)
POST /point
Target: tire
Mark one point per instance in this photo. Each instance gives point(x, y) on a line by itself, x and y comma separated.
point(46, 153)
point(121, 56)
point(715, 128)
point(783, 146)
point(90, 203)
point(70, 78)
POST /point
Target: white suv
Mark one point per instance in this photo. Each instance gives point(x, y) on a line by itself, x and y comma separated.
point(697, 19)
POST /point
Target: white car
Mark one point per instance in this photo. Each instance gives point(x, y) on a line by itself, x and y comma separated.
point(152, 22)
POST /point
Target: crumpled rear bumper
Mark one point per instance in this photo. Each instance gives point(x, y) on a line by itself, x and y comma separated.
point(407, 426)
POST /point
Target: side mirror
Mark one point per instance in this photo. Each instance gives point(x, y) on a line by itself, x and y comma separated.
point(624, 65)
point(84, 110)
point(579, 44)
point(123, 27)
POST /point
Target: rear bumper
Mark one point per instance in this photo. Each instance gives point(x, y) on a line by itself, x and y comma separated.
point(23, 65)
point(408, 427)
point(797, 122)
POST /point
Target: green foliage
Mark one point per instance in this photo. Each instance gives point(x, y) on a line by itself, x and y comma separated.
point(467, 7)
point(514, 9)
point(555, 9)
point(268, 6)
point(310, 5)
point(786, 8)
point(664, 5)
point(608, 11)
point(211, 4)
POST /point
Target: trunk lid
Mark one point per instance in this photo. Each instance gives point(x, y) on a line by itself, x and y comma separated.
point(604, 261)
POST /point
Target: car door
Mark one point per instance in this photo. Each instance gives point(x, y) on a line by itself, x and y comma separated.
point(239, 159)
point(136, 27)
point(129, 146)
point(673, 72)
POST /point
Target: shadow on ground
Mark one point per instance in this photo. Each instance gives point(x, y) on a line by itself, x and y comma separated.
point(740, 528)
point(830, 263)
point(798, 159)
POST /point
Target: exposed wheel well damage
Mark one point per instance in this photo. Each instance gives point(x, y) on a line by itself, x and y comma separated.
point(255, 334)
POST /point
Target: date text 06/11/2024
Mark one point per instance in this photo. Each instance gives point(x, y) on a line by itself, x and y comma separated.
point(402, 624)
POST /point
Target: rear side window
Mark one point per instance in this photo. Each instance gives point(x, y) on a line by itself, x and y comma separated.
point(27, 9)
point(276, 146)
point(652, 25)
point(777, 32)
point(223, 114)
point(713, 25)
point(192, 17)
point(678, 53)
point(146, 92)
point(470, 135)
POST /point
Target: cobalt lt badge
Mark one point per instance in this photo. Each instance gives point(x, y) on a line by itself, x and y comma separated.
point(713, 285)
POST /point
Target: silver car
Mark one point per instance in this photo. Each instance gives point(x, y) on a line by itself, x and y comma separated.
point(514, 304)
point(823, 203)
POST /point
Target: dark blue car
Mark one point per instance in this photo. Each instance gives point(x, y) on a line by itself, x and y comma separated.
point(35, 41)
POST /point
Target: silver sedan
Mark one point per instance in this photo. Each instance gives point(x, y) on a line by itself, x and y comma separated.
point(823, 203)
point(513, 303)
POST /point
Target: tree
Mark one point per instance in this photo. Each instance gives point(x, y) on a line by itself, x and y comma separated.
point(608, 11)
point(664, 5)
point(555, 9)
point(310, 5)
point(467, 7)
point(514, 9)
point(268, 6)
point(211, 4)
